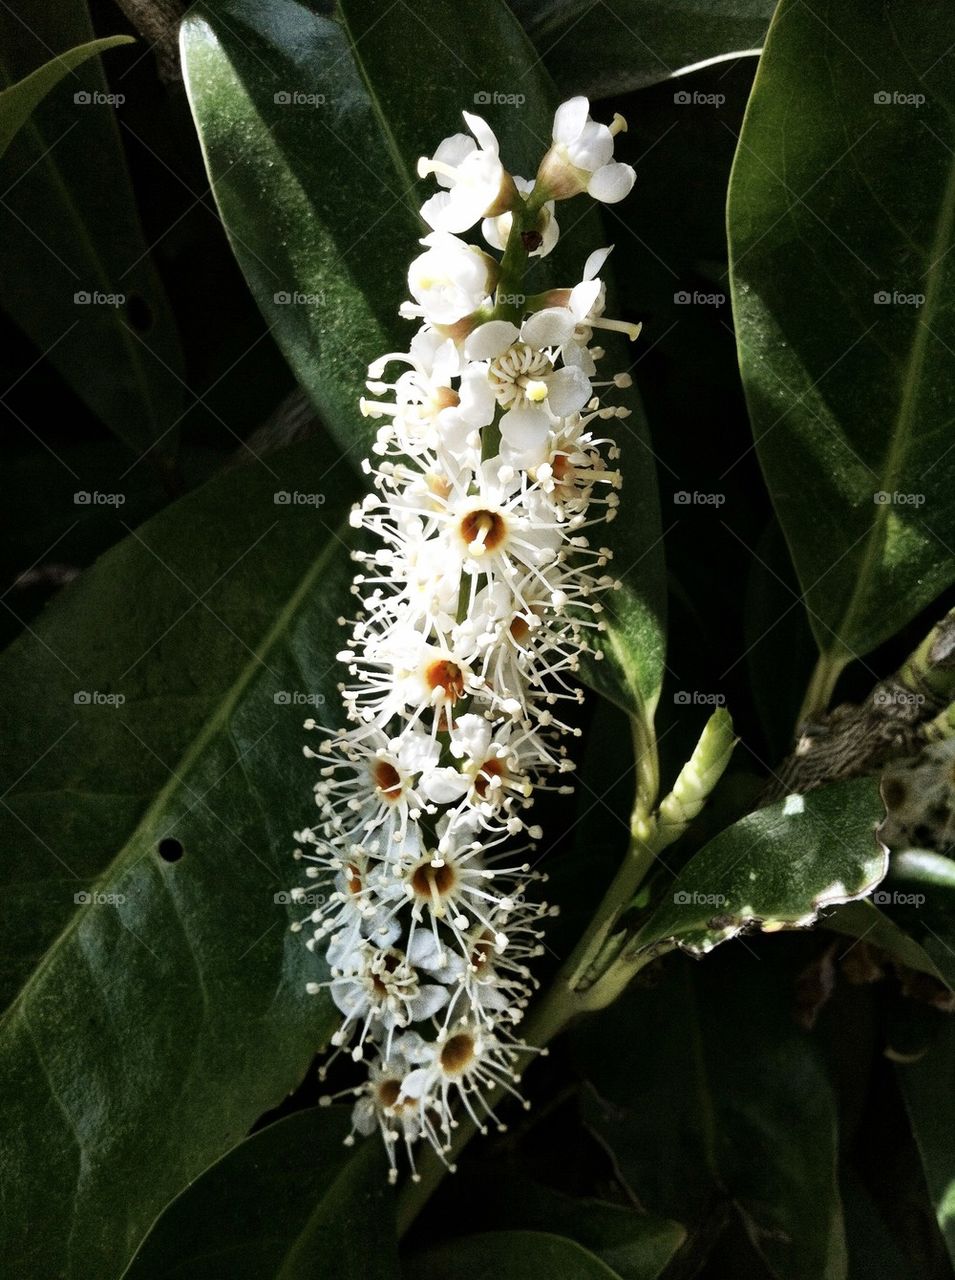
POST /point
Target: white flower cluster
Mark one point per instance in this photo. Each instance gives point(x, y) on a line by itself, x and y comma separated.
point(472, 613)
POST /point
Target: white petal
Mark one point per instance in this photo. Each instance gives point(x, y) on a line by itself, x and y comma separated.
point(415, 1083)
point(428, 1001)
point(490, 340)
point(471, 736)
point(496, 230)
point(482, 131)
point(549, 328)
point(595, 262)
point(570, 118)
point(524, 427)
point(435, 210)
point(453, 151)
point(444, 786)
point(568, 390)
point(583, 296)
point(612, 182)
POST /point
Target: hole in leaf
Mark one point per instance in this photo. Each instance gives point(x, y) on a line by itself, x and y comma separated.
point(170, 849)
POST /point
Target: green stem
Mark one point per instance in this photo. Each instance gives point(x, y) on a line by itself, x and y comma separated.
point(822, 685)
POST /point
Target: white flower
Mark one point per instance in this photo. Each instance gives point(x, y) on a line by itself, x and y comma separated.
point(450, 280)
point(581, 157)
point(478, 589)
point(477, 185)
point(496, 230)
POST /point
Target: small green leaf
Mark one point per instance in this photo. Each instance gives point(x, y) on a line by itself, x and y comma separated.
point(927, 1086)
point(620, 45)
point(75, 270)
point(19, 101)
point(841, 227)
point(775, 868)
point(509, 1255)
point(290, 1203)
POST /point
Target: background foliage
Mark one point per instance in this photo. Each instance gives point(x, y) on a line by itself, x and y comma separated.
point(174, 561)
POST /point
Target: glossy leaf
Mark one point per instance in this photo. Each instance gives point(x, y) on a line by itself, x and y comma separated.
point(510, 1255)
point(637, 1246)
point(775, 868)
point(20, 99)
point(723, 1108)
point(153, 773)
point(75, 270)
point(621, 45)
point(867, 922)
point(290, 1203)
point(928, 1087)
point(326, 108)
point(841, 225)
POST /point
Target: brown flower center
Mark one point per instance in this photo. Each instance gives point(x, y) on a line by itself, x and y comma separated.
point(448, 676)
point(482, 951)
point(483, 530)
point(492, 768)
point(354, 879)
point(388, 1092)
point(433, 883)
point(519, 628)
point(387, 780)
point(457, 1053)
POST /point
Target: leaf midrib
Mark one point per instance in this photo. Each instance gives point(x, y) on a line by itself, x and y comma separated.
point(216, 722)
point(904, 419)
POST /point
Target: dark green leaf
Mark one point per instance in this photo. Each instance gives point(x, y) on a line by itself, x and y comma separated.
point(637, 1246)
point(75, 271)
point(619, 45)
point(722, 1105)
point(841, 226)
point(509, 1255)
point(327, 109)
point(21, 99)
point(867, 922)
point(929, 1090)
point(290, 1203)
point(775, 868)
point(155, 1007)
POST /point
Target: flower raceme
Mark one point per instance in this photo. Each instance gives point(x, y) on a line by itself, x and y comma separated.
point(490, 478)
